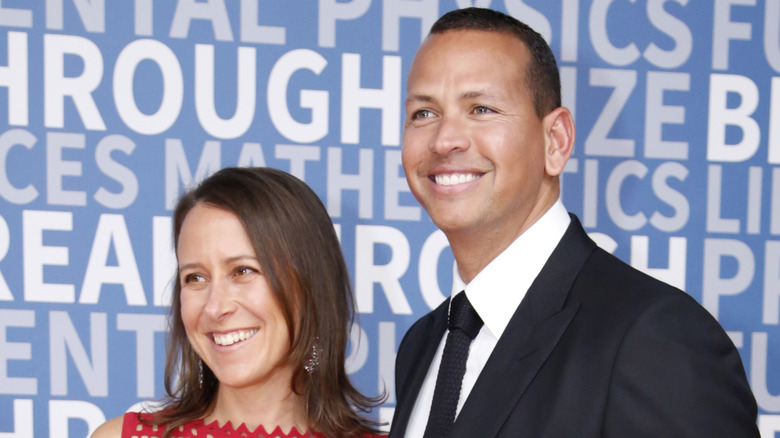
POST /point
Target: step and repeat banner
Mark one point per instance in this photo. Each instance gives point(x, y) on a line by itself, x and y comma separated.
point(109, 109)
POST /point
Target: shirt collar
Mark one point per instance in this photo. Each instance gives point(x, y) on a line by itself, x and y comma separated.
point(499, 288)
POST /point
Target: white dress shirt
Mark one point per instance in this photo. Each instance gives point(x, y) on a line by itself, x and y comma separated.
point(495, 294)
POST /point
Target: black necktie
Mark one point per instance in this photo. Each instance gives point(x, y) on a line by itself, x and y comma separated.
point(464, 324)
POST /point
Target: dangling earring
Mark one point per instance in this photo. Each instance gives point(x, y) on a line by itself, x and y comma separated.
point(200, 373)
point(313, 361)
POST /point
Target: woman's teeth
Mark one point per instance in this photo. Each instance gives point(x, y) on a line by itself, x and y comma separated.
point(226, 339)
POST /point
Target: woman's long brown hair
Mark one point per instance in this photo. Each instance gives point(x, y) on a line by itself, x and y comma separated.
point(301, 257)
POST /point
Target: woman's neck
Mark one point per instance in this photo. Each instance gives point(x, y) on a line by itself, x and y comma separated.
point(252, 406)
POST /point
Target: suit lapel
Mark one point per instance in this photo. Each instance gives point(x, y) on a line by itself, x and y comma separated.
point(531, 335)
point(419, 352)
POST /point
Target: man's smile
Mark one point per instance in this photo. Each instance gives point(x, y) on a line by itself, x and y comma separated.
point(451, 179)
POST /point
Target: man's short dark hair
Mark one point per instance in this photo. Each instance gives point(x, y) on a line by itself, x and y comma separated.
point(542, 76)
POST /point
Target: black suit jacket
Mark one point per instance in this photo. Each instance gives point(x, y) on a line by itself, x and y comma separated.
point(595, 349)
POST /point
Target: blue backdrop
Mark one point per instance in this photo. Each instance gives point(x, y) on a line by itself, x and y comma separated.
point(108, 109)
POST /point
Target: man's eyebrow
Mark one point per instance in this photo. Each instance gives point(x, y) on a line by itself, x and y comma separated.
point(428, 98)
point(420, 98)
point(466, 95)
point(485, 91)
point(472, 94)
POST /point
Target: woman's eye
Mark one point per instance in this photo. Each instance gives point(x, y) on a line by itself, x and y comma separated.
point(245, 270)
point(193, 278)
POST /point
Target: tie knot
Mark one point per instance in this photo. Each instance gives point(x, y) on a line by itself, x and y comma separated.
point(463, 316)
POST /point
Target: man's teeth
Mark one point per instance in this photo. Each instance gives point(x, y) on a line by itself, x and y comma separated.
point(233, 337)
point(454, 178)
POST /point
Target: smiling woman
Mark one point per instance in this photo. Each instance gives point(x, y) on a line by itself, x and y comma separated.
point(260, 317)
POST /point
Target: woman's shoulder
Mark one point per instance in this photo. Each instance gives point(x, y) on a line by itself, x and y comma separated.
point(110, 429)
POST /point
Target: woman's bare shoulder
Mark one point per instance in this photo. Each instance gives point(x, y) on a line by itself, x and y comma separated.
point(110, 429)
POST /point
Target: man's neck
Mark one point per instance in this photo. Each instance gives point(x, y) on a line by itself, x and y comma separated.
point(475, 250)
point(476, 247)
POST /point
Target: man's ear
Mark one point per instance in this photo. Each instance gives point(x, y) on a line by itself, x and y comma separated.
point(559, 139)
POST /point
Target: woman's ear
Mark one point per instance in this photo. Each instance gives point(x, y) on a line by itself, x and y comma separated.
point(559, 135)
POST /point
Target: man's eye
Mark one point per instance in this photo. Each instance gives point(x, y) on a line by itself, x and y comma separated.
point(482, 110)
point(421, 114)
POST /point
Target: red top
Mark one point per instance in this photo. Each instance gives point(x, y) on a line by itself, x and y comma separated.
point(132, 427)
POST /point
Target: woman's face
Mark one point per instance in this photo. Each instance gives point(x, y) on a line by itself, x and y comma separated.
point(228, 309)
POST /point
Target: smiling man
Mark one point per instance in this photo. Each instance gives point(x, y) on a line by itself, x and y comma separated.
point(546, 335)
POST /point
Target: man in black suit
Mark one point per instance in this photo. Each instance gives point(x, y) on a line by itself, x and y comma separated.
point(575, 343)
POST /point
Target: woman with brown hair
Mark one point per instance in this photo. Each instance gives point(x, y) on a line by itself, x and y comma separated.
point(259, 320)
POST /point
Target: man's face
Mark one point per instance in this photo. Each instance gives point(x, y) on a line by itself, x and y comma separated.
point(473, 147)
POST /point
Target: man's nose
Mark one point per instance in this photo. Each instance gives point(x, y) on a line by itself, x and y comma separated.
point(451, 136)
